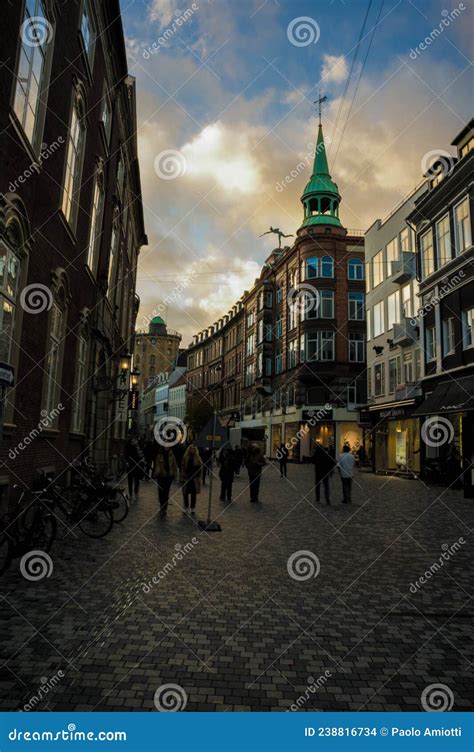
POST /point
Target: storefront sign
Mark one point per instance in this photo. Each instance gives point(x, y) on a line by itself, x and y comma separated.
point(317, 416)
point(7, 375)
point(394, 412)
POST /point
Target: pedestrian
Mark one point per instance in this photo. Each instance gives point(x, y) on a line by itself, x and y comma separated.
point(282, 455)
point(191, 470)
point(165, 470)
point(346, 468)
point(133, 458)
point(238, 460)
point(226, 472)
point(324, 465)
point(254, 463)
point(149, 454)
point(178, 451)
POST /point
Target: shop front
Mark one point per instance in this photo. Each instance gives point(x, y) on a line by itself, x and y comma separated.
point(395, 441)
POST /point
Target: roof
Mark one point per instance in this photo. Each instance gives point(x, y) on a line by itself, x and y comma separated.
point(157, 320)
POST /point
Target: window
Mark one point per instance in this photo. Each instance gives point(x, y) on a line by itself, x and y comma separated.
point(293, 354)
point(51, 371)
point(279, 295)
point(356, 301)
point(356, 348)
point(79, 388)
point(443, 236)
point(406, 240)
point(468, 328)
point(379, 322)
point(408, 308)
point(367, 276)
point(449, 342)
point(250, 319)
point(250, 344)
point(379, 379)
point(392, 253)
point(32, 74)
point(427, 254)
point(394, 373)
point(369, 324)
point(369, 383)
point(312, 268)
point(268, 366)
point(268, 299)
point(326, 304)
point(9, 275)
point(320, 346)
point(96, 222)
point(408, 367)
point(112, 267)
point(279, 327)
point(278, 363)
point(355, 269)
point(75, 151)
point(393, 309)
point(259, 365)
point(293, 308)
point(462, 226)
point(430, 344)
point(106, 116)
point(327, 267)
point(87, 31)
point(268, 332)
point(378, 268)
point(249, 374)
point(260, 331)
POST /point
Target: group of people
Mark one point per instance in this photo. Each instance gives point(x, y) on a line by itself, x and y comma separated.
point(190, 466)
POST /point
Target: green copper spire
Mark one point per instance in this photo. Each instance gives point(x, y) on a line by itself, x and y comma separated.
point(321, 196)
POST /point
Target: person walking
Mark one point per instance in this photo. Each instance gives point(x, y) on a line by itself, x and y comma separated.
point(149, 453)
point(238, 460)
point(191, 470)
point(282, 454)
point(324, 465)
point(226, 472)
point(165, 470)
point(133, 458)
point(346, 468)
point(254, 463)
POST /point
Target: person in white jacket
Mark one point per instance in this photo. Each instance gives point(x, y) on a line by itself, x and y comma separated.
point(346, 468)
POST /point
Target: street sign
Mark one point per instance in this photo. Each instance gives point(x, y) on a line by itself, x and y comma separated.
point(7, 374)
point(213, 438)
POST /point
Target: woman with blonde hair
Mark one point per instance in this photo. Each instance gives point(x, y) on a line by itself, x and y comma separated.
point(191, 470)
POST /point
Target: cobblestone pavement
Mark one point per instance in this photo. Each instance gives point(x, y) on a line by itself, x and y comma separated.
point(226, 621)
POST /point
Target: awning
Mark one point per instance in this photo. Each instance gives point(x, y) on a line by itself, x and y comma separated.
point(449, 397)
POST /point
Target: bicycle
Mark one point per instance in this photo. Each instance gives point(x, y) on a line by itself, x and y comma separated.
point(113, 494)
point(33, 528)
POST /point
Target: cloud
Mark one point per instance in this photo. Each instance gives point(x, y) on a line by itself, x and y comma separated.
point(162, 11)
point(334, 69)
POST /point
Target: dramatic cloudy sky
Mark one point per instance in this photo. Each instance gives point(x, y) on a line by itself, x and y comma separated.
point(232, 96)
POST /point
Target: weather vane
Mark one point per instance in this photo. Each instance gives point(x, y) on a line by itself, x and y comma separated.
point(319, 102)
point(276, 231)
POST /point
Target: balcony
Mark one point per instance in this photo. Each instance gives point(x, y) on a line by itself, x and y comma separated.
point(405, 333)
point(410, 390)
point(404, 269)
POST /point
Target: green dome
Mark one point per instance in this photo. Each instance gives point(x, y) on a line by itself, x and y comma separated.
point(321, 196)
point(157, 320)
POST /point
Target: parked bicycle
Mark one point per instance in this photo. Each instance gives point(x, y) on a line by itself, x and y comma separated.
point(86, 477)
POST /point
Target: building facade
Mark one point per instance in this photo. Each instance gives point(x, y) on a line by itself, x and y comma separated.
point(287, 364)
point(442, 218)
point(71, 228)
point(392, 437)
point(155, 351)
point(177, 399)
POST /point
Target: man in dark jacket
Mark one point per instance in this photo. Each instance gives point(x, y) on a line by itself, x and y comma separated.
point(324, 465)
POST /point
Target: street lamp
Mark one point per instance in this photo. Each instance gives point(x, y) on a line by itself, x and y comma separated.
point(124, 367)
point(135, 374)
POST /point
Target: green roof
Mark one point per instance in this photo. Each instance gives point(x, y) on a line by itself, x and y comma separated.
point(157, 320)
point(319, 186)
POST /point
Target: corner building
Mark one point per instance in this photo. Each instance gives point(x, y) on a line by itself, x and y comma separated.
point(303, 334)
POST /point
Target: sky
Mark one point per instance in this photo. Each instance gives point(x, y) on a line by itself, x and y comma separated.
point(227, 126)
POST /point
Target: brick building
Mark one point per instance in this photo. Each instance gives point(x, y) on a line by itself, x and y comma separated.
point(71, 228)
point(155, 351)
point(298, 358)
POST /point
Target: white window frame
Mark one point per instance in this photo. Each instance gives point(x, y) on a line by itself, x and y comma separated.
point(427, 253)
point(356, 347)
point(393, 309)
point(449, 336)
point(430, 342)
point(463, 231)
point(355, 311)
point(468, 328)
point(378, 269)
point(443, 240)
point(379, 319)
point(72, 181)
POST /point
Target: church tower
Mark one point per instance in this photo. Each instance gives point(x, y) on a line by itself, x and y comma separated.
point(321, 197)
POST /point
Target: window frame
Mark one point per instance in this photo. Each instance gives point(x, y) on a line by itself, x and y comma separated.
point(352, 264)
point(355, 305)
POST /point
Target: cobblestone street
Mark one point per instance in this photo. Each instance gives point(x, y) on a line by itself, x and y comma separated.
point(225, 620)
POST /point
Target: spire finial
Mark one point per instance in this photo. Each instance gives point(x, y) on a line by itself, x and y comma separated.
point(319, 102)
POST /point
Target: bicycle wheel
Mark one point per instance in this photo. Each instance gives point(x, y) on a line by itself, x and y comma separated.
point(44, 533)
point(93, 519)
point(120, 506)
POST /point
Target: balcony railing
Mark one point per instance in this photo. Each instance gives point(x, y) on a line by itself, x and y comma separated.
point(404, 268)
